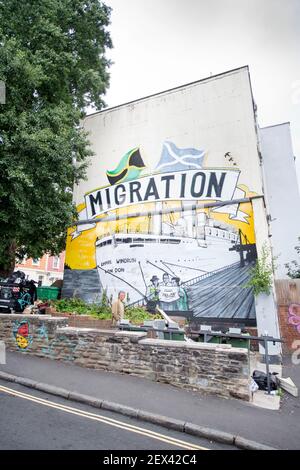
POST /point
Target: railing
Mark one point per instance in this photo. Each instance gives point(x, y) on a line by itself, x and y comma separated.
point(172, 234)
point(136, 234)
point(138, 303)
point(263, 339)
point(169, 331)
point(195, 280)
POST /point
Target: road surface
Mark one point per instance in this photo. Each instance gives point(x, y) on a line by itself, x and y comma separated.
point(32, 420)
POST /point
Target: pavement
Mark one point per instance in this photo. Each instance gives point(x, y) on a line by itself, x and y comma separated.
point(260, 398)
point(275, 428)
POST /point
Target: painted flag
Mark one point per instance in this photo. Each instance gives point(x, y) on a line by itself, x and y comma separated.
point(176, 159)
point(129, 168)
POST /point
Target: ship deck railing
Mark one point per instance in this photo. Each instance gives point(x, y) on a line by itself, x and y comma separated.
point(171, 235)
point(137, 234)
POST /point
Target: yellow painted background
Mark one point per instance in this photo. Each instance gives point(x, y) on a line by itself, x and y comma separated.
point(81, 253)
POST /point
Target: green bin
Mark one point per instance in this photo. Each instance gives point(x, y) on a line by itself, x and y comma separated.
point(239, 342)
point(47, 293)
point(211, 339)
point(176, 336)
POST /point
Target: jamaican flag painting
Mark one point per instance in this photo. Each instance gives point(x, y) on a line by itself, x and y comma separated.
point(129, 168)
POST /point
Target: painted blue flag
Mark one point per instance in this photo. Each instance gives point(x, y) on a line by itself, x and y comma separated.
point(176, 159)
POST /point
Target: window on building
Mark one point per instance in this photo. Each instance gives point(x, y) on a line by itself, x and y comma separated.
point(40, 281)
point(36, 261)
point(56, 262)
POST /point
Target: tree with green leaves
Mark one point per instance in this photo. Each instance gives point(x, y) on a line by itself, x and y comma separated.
point(53, 63)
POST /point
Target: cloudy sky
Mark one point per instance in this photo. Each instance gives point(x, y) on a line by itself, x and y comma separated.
point(160, 44)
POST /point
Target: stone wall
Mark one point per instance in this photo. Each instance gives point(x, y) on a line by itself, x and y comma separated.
point(211, 368)
point(30, 334)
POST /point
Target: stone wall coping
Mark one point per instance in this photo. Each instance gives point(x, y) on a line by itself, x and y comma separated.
point(142, 340)
point(99, 332)
point(187, 345)
point(22, 315)
point(82, 330)
point(30, 316)
point(132, 334)
point(180, 344)
point(77, 315)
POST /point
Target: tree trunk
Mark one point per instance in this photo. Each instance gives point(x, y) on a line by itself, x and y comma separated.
point(7, 265)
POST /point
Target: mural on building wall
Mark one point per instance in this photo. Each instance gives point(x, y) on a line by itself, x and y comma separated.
point(294, 316)
point(21, 334)
point(176, 253)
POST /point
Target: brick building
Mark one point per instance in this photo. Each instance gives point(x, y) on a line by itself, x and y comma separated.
point(45, 270)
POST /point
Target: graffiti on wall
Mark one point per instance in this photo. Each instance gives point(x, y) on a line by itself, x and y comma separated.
point(294, 316)
point(43, 337)
point(174, 252)
point(21, 334)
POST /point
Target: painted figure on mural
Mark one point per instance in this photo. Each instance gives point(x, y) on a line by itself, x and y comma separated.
point(168, 293)
point(153, 289)
point(152, 293)
point(118, 308)
point(166, 280)
point(182, 302)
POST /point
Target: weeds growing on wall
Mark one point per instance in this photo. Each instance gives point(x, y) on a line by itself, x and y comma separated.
point(262, 273)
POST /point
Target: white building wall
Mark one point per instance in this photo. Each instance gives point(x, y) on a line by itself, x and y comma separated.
point(282, 192)
point(216, 114)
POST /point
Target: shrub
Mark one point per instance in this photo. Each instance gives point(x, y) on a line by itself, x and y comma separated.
point(136, 315)
point(261, 273)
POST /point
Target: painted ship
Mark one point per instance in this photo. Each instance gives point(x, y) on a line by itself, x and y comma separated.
point(164, 257)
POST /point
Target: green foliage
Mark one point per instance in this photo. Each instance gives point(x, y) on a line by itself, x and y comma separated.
point(293, 268)
point(280, 392)
point(104, 300)
point(136, 315)
point(80, 307)
point(262, 273)
point(52, 60)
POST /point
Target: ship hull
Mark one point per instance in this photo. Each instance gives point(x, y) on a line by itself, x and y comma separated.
point(133, 263)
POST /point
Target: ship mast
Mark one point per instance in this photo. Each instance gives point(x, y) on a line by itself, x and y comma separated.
point(157, 219)
point(189, 217)
point(201, 224)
